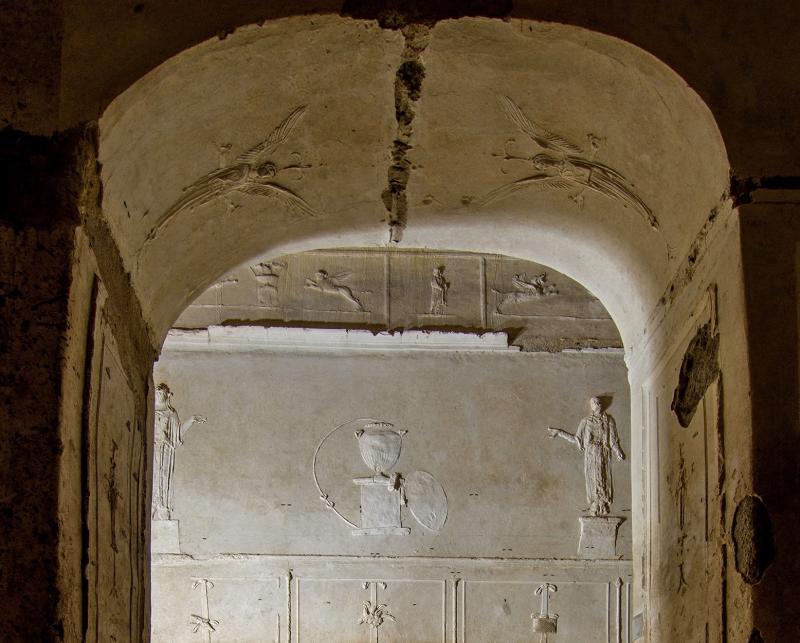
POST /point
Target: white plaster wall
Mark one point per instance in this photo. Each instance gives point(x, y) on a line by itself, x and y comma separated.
point(263, 558)
point(476, 421)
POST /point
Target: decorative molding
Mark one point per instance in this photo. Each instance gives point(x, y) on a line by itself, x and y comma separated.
point(401, 289)
point(203, 621)
point(545, 621)
point(565, 166)
point(515, 568)
point(246, 612)
point(374, 615)
point(228, 338)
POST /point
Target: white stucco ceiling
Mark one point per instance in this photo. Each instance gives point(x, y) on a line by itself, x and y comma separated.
point(620, 106)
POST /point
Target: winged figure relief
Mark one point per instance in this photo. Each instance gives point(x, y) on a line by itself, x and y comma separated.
point(253, 172)
point(565, 166)
point(328, 284)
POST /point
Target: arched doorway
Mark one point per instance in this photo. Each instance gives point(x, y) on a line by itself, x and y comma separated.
point(262, 541)
point(455, 166)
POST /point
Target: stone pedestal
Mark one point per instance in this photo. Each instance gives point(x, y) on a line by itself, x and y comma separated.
point(380, 508)
point(599, 537)
point(165, 537)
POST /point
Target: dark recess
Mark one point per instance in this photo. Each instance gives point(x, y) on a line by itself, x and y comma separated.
point(753, 542)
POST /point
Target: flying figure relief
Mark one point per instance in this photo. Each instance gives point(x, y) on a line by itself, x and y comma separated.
point(332, 285)
point(567, 167)
point(525, 290)
point(254, 172)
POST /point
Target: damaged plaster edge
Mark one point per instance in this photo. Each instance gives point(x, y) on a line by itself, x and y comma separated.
point(245, 338)
point(715, 223)
point(409, 77)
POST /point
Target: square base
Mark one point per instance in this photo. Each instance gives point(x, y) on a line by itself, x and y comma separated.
point(382, 531)
point(165, 537)
point(599, 537)
point(380, 506)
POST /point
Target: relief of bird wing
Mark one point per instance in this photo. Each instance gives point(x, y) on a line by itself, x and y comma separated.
point(340, 276)
point(202, 191)
point(614, 188)
point(544, 137)
point(282, 194)
point(594, 167)
point(536, 182)
point(257, 154)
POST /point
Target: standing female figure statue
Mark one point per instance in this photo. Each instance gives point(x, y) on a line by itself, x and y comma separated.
point(597, 438)
point(169, 434)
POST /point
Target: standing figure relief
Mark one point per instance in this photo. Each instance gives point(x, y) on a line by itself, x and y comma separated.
point(169, 434)
point(566, 167)
point(597, 438)
point(439, 288)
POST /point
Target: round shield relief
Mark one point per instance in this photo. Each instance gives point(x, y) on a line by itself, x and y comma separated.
point(426, 499)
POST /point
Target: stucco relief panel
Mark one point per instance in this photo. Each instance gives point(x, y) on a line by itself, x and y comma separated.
point(117, 471)
point(687, 507)
point(435, 289)
point(495, 610)
point(407, 289)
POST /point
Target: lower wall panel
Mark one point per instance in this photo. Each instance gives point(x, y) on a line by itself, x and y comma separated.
point(249, 598)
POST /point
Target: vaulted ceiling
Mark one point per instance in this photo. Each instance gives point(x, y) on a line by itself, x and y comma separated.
point(540, 141)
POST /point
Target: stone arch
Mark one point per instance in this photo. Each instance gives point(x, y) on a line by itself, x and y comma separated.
point(616, 104)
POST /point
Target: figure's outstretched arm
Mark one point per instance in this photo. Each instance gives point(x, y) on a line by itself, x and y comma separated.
point(564, 435)
point(195, 419)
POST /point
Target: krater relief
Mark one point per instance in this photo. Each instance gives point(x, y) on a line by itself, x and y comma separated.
point(384, 493)
point(598, 440)
point(254, 172)
point(566, 167)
